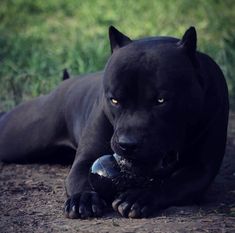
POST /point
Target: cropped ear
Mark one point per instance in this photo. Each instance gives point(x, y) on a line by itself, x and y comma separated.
point(189, 43)
point(117, 39)
point(189, 40)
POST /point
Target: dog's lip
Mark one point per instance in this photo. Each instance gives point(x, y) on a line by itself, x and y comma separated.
point(124, 153)
point(161, 163)
point(128, 156)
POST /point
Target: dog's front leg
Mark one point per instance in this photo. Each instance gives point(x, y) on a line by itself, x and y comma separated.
point(82, 202)
point(95, 141)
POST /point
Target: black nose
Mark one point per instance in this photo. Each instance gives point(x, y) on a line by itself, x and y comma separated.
point(127, 143)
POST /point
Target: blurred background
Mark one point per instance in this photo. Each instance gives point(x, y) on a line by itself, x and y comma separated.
point(39, 38)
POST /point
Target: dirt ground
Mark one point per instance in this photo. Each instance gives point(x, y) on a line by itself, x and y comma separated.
point(32, 198)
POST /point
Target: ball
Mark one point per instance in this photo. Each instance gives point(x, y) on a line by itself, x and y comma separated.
point(102, 174)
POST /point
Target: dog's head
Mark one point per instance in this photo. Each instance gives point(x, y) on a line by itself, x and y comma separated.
point(152, 94)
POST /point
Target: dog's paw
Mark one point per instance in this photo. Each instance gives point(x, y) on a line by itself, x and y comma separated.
point(84, 205)
point(135, 204)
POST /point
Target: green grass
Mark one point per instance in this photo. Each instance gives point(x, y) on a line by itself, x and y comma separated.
point(39, 38)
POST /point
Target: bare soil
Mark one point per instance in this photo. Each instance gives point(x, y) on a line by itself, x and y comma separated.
point(32, 199)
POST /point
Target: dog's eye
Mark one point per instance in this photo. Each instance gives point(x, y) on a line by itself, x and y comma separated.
point(160, 100)
point(114, 101)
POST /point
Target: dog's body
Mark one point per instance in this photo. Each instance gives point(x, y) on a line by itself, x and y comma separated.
point(156, 96)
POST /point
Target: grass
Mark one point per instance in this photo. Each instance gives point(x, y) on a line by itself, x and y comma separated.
point(38, 39)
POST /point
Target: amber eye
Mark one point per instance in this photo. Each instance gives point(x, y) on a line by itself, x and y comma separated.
point(114, 101)
point(160, 100)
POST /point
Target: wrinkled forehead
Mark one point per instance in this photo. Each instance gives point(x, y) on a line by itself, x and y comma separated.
point(158, 66)
point(150, 55)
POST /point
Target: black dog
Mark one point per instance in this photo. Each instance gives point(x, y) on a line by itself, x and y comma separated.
point(156, 96)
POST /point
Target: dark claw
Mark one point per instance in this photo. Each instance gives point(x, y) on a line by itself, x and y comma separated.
point(73, 212)
point(85, 203)
point(116, 203)
point(135, 211)
point(124, 208)
point(84, 212)
point(96, 211)
point(66, 208)
point(70, 207)
point(97, 206)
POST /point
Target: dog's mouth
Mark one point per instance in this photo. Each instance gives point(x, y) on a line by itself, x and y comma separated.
point(163, 168)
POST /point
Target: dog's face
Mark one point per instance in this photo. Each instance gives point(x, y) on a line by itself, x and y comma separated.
point(152, 94)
